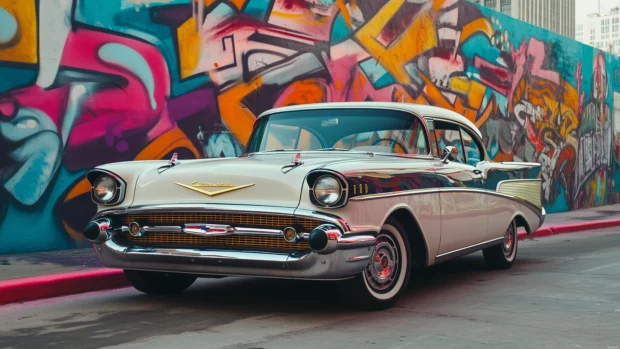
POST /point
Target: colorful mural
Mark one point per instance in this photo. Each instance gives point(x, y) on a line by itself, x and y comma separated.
point(85, 82)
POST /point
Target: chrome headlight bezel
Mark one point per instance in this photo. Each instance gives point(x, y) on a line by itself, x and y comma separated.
point(315, 176)
point(119, 190)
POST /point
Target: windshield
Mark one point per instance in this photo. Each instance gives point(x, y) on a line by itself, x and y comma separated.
point(376, 130)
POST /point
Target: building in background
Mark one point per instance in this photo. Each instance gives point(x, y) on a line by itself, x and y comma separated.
point(555, 15)
point(601, 31)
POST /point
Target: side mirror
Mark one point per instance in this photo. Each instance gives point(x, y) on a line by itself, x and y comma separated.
point(449, 154)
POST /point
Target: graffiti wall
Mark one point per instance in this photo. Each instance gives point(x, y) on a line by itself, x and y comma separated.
point(85, 82)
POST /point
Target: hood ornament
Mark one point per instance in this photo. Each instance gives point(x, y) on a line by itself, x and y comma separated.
point(174, 159)
point(171, 163)
point(296, 162)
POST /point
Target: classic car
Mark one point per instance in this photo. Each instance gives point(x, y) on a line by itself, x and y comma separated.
point(360, 193)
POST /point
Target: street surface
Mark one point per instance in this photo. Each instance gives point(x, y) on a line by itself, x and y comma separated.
point(563, 292)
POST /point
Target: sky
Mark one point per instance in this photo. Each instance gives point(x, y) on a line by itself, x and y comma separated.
point(585, 7)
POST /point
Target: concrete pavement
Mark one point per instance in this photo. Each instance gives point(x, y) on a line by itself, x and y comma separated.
point(561, 293)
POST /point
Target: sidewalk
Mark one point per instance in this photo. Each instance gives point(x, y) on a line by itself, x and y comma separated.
point(61, 268)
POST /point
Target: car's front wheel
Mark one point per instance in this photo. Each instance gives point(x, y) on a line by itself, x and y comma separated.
point(153, 282)
point(504, 255)
point(387, 274)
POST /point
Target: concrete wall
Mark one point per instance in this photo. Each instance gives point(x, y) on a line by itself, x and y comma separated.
point(87, 82)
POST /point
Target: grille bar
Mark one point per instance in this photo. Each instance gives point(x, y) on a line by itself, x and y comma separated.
point(230, 241)
point(234, 219)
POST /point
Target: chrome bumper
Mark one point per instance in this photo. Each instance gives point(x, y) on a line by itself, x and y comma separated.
point(350, 257)
point(542, 217)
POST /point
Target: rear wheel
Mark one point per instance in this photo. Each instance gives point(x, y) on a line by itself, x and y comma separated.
point(153, 282)
point(387, 274)
point(503, 256)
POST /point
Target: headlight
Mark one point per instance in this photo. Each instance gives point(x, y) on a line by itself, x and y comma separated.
point(327, 190)
point(104, 188)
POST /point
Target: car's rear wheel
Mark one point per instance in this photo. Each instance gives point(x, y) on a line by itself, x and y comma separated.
point(504, 255)
point(387, 274)
point(153, 282)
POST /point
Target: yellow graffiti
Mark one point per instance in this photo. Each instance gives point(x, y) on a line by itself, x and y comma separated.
point(189, 47)
point(237, 118)
point(418, 38)
point(23, 45)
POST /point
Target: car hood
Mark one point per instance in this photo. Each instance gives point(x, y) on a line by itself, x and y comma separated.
point(251, 180)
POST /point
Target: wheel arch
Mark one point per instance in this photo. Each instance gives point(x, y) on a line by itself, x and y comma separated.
point(419, 246)
point(521, 221)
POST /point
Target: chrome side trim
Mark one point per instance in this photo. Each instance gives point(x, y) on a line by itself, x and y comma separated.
point(531, 206)
point(467, 250)
point(394, 194)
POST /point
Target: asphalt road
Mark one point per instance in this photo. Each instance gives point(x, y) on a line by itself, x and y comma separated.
point(564, 292)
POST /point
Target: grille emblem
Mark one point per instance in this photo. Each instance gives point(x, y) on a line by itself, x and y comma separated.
point(208, 229)
point(197, 186)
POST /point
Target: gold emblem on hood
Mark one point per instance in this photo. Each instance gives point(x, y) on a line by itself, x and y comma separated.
point(197, 186)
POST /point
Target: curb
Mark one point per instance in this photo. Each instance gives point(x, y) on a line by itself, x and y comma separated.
point(55, 285)
point(570, 228)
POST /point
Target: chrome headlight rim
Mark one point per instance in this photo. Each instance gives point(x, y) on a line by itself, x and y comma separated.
point(314, 177)
point(94, 175)
point(110, 186)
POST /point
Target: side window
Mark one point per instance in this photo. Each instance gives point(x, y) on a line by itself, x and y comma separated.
point(432, 140)
point(448, 134)
point(473, 154)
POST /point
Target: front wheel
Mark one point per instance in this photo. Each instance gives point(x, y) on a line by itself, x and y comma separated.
point(153, 282)
point(387, 274)
point(504, 255)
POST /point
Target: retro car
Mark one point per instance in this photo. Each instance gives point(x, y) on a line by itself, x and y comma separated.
point(360, 193)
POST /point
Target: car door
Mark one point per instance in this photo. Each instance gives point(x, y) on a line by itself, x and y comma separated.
point(462, 196)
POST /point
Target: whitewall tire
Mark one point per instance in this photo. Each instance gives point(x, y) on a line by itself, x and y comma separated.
point(504, 255)
point(387, 274)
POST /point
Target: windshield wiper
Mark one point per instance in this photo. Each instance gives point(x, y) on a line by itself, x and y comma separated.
point(281, 149)
point(334, 149)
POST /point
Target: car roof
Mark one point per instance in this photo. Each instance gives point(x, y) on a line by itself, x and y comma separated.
point(419, 109)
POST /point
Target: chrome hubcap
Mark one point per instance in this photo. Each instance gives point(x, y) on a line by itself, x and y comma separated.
point(382, 271)
point(509, 240)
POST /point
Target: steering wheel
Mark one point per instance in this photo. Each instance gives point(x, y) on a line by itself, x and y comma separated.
point(394, 143)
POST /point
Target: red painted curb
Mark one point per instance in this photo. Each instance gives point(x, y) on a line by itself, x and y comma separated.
point(571, 228)
point(54, 285)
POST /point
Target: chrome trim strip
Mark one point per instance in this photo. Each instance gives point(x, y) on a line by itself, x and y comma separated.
point(394, 194)
point(467, 250)
point(162, 229)
point(531, 206)
point(257, 231)
point(358, 258)
point(217, 208)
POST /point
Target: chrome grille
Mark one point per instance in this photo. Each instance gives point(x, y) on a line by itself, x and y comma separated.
point(231, 241)
point(234, 241)
point(234, 219)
